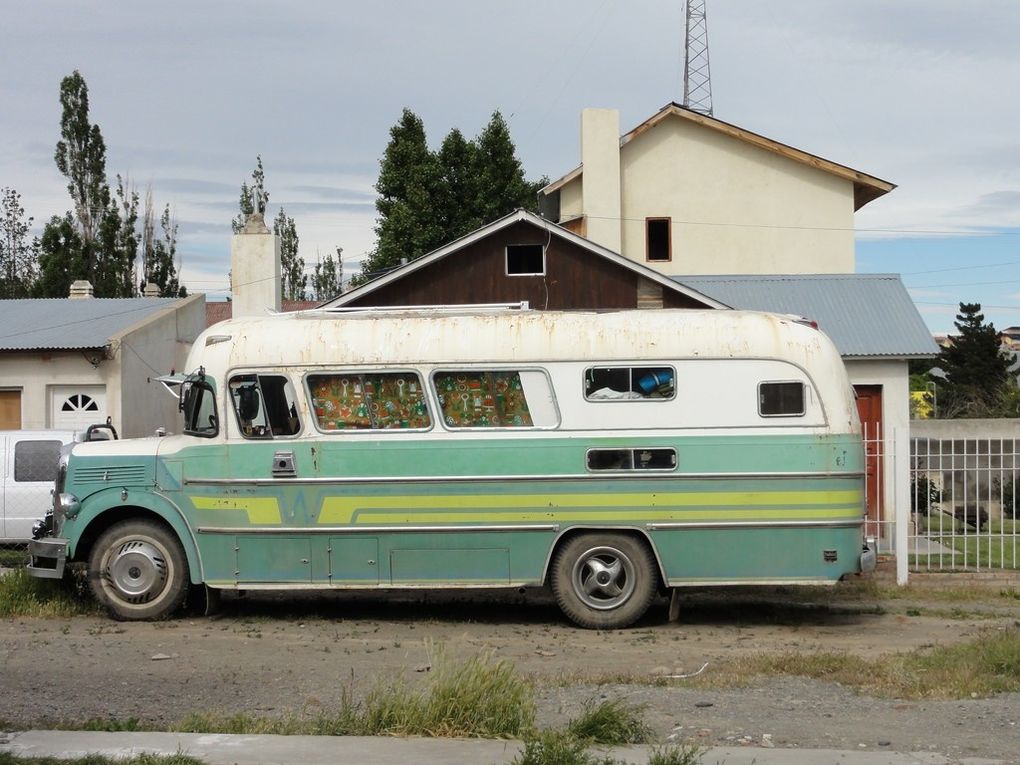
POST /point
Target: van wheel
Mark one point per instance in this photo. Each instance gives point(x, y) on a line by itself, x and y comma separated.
point(137, 571)
point(604, 581)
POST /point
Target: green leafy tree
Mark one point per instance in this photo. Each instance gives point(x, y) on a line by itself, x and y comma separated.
point(81, 157)
point(328, 276)
point(501, 186)
point(409, 185)
point(116, 247)
point(103, 243)
point(61, 257)
point(18, 253)
point(977, 382)
point(460, 185)
point(292, 265)
point(253, 198)
point(160, 254)
point(427, 199)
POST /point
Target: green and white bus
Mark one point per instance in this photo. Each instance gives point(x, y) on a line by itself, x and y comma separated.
point(608, 455)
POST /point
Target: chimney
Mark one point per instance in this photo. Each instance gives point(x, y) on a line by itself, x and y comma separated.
point(600, 182)
point(255, 269)
point(81, 289)
point(151, 290)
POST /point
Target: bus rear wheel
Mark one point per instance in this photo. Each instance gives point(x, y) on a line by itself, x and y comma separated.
point(604, 581)
point(138, 571)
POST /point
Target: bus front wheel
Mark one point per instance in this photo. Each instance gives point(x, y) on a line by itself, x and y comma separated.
point(138, 571)
point(604, 581)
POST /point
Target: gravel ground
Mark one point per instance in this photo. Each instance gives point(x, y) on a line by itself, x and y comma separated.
point(276, 655)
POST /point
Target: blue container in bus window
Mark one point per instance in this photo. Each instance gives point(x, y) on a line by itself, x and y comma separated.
point(656, 379)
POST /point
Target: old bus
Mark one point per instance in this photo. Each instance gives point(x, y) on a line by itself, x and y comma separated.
point(608, 455)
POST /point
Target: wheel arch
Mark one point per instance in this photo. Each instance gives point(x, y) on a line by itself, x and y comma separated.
point(575, 531)
point(105, 509)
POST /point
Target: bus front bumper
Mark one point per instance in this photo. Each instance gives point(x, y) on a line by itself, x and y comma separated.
point(48, 556)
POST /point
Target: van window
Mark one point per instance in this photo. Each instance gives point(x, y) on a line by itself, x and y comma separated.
point(265, 405)
point(369, 401)
point(36, 460)
point(628, 383)
point(483, 399)
point(781, 398)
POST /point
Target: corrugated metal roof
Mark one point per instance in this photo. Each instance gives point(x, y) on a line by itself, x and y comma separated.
point(66, 324)
point(865, 314)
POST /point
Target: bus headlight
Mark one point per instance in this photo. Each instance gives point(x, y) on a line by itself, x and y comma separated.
point(68, 505)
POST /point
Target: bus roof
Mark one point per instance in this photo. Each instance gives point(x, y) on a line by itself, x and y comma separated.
point(505, 336)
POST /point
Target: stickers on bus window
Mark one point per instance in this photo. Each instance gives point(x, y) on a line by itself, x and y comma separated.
point(474, 399)
point(369, 401)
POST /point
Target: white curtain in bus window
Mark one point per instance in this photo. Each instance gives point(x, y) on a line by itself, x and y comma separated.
point(483, 399)
point(777, 399)
point(368, 401)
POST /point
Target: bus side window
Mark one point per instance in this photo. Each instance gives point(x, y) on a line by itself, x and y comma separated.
point(265, 406)
point(779, 399)
point(623, 383)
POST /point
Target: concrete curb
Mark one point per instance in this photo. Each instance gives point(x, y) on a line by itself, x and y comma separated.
point(223, 749)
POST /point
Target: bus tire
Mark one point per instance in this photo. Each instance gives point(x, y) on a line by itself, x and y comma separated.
point(138, 571)
point(604, 580)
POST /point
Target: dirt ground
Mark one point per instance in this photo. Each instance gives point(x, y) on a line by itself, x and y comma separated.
point(270, 655)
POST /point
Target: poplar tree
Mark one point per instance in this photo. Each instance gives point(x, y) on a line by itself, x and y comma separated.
point(501, 186)
point(292, 265)
point(253, 198)
point(328, 277)
point(96, 241)
point(18, 253)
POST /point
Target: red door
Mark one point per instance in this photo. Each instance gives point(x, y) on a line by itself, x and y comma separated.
point(869, 407)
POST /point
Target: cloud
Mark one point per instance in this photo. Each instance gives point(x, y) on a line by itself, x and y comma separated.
point(333, 192)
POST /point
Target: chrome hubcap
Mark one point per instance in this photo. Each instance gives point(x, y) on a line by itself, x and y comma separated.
point(603, 578)
point(137, 571)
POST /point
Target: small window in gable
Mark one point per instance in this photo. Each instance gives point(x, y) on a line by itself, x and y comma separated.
point(525, 260)
point(779, 399)
point(657, 239)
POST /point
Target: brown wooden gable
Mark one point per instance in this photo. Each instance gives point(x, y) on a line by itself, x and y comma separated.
point(575, 278)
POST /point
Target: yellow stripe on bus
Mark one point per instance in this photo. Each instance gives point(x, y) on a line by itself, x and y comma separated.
point(550, 507)
point(262, 511)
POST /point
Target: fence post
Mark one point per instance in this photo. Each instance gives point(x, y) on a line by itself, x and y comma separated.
point(901, 501)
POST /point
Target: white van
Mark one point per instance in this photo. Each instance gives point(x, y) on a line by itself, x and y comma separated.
point(30, 460)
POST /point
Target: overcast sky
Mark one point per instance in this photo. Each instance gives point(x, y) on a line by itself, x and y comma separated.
point(923, 93)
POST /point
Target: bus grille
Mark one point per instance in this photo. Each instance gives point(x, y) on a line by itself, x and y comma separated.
point(122, 475)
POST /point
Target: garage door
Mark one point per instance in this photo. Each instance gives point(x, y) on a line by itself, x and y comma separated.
point(75, 407)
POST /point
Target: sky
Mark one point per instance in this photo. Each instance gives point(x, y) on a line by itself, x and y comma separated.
point(922, 93)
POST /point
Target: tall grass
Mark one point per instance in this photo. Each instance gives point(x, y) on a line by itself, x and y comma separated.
point(476, 697)
point(24, 595)
point(610, 721)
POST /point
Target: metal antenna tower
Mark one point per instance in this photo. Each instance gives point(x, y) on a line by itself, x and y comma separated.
point(697, 76)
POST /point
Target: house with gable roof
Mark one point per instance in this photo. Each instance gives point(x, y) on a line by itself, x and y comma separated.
point(67, 363)
point(685, 193)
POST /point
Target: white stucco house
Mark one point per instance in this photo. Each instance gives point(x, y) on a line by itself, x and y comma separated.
point(71, 362)
point(685, 193)
point(754, 224)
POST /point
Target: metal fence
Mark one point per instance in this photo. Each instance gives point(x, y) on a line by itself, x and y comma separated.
point(963, 513)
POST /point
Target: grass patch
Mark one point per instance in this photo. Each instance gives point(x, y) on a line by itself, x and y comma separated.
point(13, 557)
point(477, 697)
point(987, 665)
point(560, 747)
point(24, 595)
point(98, 759)
point(611, 722)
